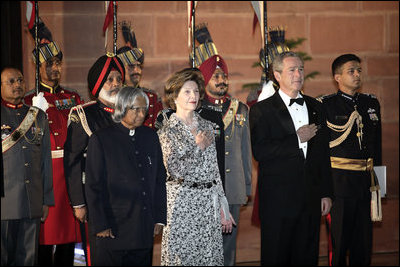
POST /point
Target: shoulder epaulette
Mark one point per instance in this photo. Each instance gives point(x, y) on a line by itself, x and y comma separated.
point(324, 97)
point(72, 91)
point(369, 95)
point(88, 103)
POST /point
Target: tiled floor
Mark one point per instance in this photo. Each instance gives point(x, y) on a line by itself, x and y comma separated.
point(79, 256)
point(378, 259)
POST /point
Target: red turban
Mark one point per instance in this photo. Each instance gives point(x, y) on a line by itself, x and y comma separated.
point(208, 67)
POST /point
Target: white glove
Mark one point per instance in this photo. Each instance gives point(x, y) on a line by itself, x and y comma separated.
point(40, 102)
point(267, 91)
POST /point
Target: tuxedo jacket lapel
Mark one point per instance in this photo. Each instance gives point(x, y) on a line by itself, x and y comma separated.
point(283, 114)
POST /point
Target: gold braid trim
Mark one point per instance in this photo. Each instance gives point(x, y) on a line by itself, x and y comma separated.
point(81, 113)
point(354, 117)
point(229, 117)
point(21, 130)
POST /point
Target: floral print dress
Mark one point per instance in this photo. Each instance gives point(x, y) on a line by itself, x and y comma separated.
point(193, 234)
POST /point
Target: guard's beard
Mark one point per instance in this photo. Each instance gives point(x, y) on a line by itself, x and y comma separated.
point(221, 89)
point(108, 96)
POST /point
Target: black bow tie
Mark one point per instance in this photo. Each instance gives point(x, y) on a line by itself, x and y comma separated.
point(299, 101)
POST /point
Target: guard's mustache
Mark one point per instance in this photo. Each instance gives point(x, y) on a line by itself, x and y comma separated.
point(116, 90)
point(221, 84)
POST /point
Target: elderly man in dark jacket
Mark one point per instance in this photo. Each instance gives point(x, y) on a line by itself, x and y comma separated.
point(125, 184)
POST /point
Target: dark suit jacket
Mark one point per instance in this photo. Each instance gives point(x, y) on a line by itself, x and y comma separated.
point(28, 175)
point(289, 183)
point(75, 148)
point(125, 185)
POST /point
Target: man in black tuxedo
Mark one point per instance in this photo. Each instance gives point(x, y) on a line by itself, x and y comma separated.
point(290, 139)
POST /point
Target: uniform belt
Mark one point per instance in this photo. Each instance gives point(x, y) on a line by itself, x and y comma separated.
point(56, 154)
point(363, 165)
point(192, 184)
point(352, 164)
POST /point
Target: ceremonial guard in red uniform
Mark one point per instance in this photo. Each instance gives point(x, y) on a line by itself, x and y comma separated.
point(133, 59)
point(105, 78)
point(61, 228)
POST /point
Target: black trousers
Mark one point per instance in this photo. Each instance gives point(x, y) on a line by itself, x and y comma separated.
point(19, 242)
point(351, 231)
point(63, 256)
point(106, 256)
point(290, 240)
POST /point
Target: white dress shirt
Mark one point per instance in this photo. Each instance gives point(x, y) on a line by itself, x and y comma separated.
point(299, 114)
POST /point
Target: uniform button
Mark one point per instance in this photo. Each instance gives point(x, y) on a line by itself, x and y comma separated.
point(136, 152)
point(58, 147)
point(150, 124)
point(151, 115)
point(226, 136)
point(142, 178)
point(27, 181)
point(228, 170)
point(24, 147)
point(144, 193)
point(62, 91)
point(18, 114)
point(133, 139)
point(151, 95)
point(151, 105)
point(140, 165)
point(50, 122)
point(144, 208)
point(227, 153)
point(26, 164)
point(55, 134)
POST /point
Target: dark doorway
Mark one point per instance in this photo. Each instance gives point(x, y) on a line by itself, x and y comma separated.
point(11, 40)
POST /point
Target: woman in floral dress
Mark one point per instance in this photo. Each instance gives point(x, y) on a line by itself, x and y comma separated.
point(196, 203)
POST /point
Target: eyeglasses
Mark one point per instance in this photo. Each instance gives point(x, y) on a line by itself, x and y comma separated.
point(136, 110)
point(12, 81)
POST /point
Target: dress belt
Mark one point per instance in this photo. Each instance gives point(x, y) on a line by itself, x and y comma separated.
point(198, 185)
point(363, 165)
point(56, 154)
point(352, 164)
point(356, 165)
